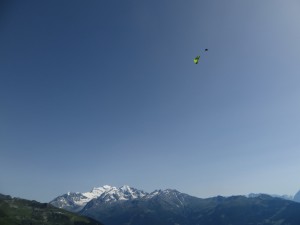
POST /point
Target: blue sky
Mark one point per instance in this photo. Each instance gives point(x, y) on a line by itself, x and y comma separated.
point(106, 92)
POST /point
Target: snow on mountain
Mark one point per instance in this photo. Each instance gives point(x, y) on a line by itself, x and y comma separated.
point(123, 193)
point(71, 201)
point(96, 192)
point(173, 200)
point(75, 201)
point(152, 194)
point(165, 193)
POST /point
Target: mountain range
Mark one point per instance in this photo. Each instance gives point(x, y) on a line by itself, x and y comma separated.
point(130, 206)
point(76, 201)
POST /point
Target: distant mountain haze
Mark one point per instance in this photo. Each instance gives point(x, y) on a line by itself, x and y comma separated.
point(297, 197)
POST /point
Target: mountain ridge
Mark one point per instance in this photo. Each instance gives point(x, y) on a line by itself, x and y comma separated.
point(76, 201)
point(129, 206)
point(173, 207)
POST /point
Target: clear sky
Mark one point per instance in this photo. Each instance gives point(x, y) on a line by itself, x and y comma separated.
point(106, 92)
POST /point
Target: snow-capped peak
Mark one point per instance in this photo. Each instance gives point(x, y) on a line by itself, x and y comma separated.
point(125, 188)
point(107, 187)
point(106, 193)
point(123, 193)
point(97, 191)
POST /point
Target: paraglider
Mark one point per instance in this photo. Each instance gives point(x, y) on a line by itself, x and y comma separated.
point(196, 59)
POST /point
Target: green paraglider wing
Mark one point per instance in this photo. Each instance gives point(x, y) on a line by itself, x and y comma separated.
point(196, 60)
